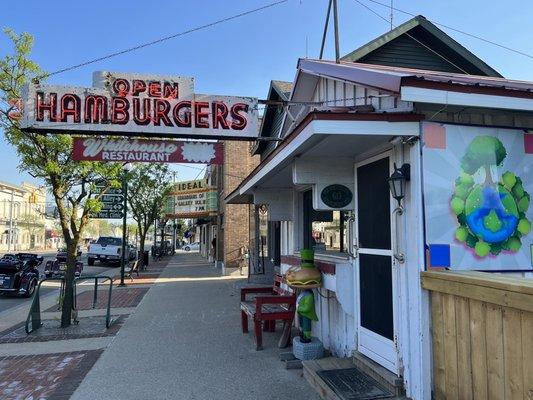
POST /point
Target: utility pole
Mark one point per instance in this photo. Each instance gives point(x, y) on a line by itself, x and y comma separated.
point(325, 31)
point(336, 26)
point(174, 219)
point(336, 30)
point(391, 14)
point(124, 233)
point(10, 232)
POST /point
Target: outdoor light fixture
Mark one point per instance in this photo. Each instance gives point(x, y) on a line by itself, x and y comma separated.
point(397, 182)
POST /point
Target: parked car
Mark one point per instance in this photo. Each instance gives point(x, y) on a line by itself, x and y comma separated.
point(107, 249)
point(19, 274)
point(191, 246)
point(58, 266)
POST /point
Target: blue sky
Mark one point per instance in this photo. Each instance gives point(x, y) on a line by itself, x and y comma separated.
point(239, 57)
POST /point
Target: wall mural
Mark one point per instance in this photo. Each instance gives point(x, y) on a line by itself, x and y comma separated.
point(477, 193)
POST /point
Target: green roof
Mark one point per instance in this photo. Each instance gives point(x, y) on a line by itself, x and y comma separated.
point(418, 43)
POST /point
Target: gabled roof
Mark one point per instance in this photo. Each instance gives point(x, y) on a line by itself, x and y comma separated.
point(278, 91)
point(283, 88)
point(418, 43)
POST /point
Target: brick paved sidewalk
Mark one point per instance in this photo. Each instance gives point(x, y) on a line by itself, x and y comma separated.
point(53, 375)
point(44, 376)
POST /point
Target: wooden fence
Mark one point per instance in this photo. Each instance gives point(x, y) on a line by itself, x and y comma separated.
point(482, 335)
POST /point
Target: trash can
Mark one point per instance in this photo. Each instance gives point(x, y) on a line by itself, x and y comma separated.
point(146, 258)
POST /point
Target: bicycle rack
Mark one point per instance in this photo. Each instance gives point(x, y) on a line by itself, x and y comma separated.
point(34, 315)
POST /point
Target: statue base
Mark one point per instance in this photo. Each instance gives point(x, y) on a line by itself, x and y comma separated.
point(307, 351)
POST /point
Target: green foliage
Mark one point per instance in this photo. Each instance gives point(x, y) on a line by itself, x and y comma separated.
point(48, 156)
point(148, 189)
point(483, 151)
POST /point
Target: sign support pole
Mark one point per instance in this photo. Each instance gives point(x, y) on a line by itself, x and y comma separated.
point(124, 236)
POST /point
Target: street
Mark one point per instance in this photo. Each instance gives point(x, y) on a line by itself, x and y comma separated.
point(8, 301)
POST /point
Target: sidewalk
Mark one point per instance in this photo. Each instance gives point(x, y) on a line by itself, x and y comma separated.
point(50, 363)
point(184, 342)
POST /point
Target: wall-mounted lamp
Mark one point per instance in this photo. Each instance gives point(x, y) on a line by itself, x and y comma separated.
point(398, 180)
point(397, 183)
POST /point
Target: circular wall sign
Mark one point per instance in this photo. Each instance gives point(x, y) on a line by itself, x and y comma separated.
point(336, 196)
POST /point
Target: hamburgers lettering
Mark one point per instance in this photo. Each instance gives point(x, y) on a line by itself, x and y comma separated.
point(139, 102)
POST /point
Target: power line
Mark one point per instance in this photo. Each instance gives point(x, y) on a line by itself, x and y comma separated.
point(457, 30)
point(163, 39)
point(412, 37)
point(203, 168)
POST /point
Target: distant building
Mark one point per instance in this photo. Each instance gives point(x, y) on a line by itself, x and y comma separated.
point(224, 235)
point(22, 217)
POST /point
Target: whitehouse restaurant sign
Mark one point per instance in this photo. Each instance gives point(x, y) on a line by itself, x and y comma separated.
point(143, 150)
point(140, 105)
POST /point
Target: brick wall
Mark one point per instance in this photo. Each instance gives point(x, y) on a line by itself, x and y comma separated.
point(238, 163)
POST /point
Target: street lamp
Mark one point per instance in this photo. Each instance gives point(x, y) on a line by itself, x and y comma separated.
point(126, 168)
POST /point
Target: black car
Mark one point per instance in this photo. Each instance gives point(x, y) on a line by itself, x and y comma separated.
point(19, 274)
point(58, 266)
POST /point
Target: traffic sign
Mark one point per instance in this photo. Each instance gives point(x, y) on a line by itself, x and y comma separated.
point(112, 199)
point(104, 188)
point(111, 206)
point(108, 214)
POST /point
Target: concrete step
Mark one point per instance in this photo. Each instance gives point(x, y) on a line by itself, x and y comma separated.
point(311, 367)
point(390, 381)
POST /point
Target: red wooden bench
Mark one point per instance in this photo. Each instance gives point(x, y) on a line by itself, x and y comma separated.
point(266, 306)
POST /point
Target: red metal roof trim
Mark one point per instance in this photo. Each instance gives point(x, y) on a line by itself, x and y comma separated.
point(502, 86)
point(462, 87)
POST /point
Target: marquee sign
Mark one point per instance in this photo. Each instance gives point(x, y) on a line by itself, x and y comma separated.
point(140, 105)
point(192, 199)
point(143, 150)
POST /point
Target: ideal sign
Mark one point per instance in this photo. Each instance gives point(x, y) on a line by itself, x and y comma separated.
point(192, 199)
point(138, 105)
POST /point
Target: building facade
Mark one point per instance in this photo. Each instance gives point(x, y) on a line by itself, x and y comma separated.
point(22, 217)
point(232, 231)
point(410, 154)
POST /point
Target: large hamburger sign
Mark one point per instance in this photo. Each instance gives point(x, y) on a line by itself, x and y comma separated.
point(138, 105)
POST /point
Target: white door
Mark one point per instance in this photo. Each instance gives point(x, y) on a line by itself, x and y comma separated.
point(375, 269)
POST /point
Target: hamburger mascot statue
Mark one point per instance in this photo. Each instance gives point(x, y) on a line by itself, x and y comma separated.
point(305, 278)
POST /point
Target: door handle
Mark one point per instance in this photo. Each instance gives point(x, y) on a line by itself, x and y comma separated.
point(398, 255)
point(352, 248)
point(355, 252)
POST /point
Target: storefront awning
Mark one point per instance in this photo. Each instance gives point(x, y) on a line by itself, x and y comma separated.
point(325, 134)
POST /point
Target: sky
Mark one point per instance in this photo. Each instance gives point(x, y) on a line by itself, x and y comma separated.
point(241, 56)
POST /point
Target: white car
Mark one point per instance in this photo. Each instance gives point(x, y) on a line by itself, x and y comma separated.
point(191, 246)
point(107, 250)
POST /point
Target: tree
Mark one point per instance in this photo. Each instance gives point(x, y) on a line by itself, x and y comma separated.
point(48, 157)
point(148, 189)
